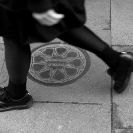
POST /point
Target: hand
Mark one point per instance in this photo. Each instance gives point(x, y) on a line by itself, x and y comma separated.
point(48, 18)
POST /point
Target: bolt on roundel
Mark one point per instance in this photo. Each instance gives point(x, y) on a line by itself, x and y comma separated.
point(57, 64)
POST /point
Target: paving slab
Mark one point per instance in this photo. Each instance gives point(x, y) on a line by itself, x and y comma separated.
point(1, 40)
point(57, 118)
point(89, 88)
point(122, 22)
point(123, 131)
point(121, 30)
point(78, 102)
point(98, 14)
point(98, 18)
point(122, 109)
point(94, 85)
point(122, 104)
point(3, 71)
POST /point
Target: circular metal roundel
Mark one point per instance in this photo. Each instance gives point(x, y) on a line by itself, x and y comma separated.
point(57, 64)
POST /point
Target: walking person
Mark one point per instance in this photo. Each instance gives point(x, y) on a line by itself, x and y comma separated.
point(25, 22)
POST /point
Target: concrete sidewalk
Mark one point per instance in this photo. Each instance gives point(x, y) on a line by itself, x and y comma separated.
point(71, 89)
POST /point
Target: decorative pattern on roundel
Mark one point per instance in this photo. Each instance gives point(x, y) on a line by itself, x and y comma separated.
point(57, 64)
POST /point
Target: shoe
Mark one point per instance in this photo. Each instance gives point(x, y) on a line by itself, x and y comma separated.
point(122, 74)
point(7, 103)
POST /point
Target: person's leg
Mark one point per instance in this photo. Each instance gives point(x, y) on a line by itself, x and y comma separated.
point(84, 38)
point(120, 64)
point(17, 59)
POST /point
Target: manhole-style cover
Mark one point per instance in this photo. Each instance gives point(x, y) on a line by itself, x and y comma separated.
point(57, 64)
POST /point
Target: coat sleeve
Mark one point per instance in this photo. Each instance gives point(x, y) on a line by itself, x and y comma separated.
point(13, 5)
point(32, 5)
point(41, 5)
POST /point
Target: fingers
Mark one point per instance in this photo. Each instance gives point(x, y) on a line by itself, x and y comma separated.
point(45, 20)
point(48, 18)
point(55, 15)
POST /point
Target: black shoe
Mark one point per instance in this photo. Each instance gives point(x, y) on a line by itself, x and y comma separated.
point(7, 103)
point(122, 74)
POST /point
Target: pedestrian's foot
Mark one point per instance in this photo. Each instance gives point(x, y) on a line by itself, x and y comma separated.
point(7, 103)
point(122, 74)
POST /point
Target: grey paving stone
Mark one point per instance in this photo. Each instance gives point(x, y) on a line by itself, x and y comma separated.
point(3, 70)
point(72, 116)
point(57, 118)
point(98, 14)
point(1, 40)
point(123, 131)
point(93, 87)
point(122, 109)
point(122, 104)
point(122, 22)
